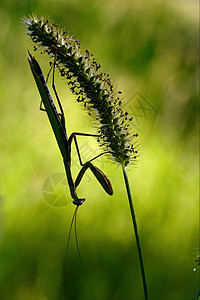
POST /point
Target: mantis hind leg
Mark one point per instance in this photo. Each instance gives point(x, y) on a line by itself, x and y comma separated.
point(73, 136)
point(61, 114)
point(47, 78)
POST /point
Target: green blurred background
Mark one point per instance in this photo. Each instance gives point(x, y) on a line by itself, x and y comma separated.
point(149, 48)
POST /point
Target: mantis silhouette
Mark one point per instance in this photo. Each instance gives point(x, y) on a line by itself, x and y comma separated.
point(57, 121)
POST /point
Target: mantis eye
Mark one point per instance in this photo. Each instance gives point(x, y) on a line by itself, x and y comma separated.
point(79, 201)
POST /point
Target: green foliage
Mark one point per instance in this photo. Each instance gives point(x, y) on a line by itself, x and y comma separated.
point(145, 46)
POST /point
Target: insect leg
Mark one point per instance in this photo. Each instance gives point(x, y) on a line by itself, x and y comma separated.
point(51, 66)
point(62, 116)
point(41, 108)
point(73, 136)
point(100, 176)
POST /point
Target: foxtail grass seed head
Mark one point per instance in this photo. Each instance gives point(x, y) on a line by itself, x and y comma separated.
point(92, 87)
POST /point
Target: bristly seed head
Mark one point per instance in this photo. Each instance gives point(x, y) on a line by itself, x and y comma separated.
point(92, 87)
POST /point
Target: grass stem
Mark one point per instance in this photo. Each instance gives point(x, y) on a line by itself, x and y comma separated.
point(136, 231)
point(198, 295)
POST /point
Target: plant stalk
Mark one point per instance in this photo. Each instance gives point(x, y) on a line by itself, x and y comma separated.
point(198, 295)
point(136, 231)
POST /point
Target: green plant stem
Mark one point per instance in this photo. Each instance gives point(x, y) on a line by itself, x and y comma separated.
point(136, 231)
point(198, 295)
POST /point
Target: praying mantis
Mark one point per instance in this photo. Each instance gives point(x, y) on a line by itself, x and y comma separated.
point(57, 121)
